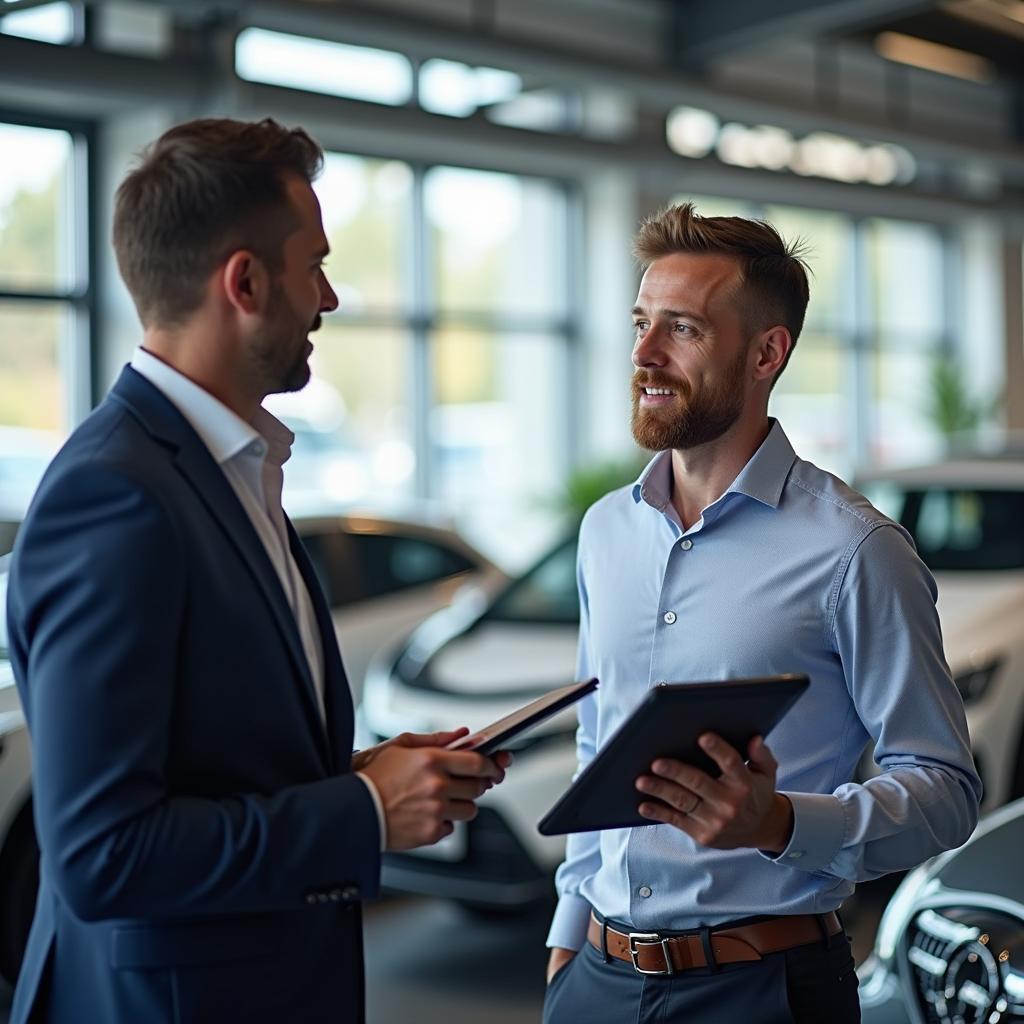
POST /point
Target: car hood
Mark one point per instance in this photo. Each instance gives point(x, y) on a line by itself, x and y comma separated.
point(506, 657)
point(988, 863)
point(977, 610)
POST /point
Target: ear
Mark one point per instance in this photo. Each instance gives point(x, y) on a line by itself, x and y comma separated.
point(245, 282)
point(771, 348)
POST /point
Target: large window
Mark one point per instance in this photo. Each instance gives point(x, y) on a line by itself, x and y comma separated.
point(43, 301)
point(444, 375)
point(857, 390)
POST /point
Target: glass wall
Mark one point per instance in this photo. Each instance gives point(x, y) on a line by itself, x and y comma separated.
point(858, 388)
point(43, 284)
point(444, 374)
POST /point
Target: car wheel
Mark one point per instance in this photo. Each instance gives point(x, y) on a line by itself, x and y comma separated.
point(19, 883)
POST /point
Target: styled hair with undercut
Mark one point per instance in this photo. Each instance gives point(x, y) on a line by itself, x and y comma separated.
point(203, 190)
point(773, 273)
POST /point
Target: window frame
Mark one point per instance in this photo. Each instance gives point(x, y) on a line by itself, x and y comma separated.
point(77, 362)
point(421, 316)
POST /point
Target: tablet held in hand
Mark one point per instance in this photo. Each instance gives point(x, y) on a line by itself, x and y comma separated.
point(494, 736)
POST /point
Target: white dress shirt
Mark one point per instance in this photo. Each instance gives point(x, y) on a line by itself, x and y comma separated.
point(252, 456)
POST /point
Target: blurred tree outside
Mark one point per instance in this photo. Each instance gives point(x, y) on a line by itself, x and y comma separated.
point(30, 386)
point(951, 408)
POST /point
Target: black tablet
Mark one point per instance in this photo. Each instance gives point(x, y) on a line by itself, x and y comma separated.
point(494, 736)
point(667, 724)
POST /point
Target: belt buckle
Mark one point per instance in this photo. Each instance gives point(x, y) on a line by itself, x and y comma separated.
point(650, 938)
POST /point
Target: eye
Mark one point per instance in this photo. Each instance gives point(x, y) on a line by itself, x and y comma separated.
point(684, 329)
point(639, 326)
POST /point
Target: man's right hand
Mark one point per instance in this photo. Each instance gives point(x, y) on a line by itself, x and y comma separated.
point(558, 959)
point(426, 789)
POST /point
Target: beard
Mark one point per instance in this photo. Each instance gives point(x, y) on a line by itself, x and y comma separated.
point(279, 357)
point(695, 416)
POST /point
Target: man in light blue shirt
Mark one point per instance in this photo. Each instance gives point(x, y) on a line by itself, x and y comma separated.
point(731, 557)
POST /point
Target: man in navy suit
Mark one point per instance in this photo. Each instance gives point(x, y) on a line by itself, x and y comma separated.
point(207, 834)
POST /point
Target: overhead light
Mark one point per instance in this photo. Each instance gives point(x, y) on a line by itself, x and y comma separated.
point(945, 60)
point(691, 131)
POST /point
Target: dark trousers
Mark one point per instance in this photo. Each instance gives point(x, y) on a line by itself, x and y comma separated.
point(813, 984)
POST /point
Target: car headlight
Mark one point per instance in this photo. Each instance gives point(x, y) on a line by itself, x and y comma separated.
point(973, 681)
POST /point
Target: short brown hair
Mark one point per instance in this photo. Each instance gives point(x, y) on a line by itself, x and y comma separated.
point(202, 190)
point(773, 272)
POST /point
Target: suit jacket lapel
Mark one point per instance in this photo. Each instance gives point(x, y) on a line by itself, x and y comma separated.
point(207, 479)
point(337, 695)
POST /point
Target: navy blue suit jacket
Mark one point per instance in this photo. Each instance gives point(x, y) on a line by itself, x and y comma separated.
point(205, 846)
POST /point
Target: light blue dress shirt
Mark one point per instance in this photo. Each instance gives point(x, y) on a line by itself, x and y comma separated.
point(788, 571)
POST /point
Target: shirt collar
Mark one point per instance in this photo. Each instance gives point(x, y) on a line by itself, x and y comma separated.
point(762, 478)
point(223, 431)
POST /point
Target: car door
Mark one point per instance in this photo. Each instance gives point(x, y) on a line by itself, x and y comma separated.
point(380, 585)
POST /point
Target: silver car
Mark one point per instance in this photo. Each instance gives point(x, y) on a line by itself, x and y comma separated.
point(950, 946)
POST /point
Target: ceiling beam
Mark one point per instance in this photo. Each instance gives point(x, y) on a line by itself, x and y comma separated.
point(708, 30)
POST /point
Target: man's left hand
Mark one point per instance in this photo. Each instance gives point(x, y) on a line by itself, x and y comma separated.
point(738, 809)
point(361, 758)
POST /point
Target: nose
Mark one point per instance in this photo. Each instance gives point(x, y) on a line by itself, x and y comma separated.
point(328, 297)
point(648, 350)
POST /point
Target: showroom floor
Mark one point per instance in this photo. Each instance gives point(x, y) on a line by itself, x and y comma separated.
point(428, 961)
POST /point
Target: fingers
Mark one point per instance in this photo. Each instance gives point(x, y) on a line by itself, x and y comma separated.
point(761, 757)
point(725, 755)
point(469, 765)
point(671, 816)
point(430, 739)
point(677, 797)
point(503, 758)
point(460, 810)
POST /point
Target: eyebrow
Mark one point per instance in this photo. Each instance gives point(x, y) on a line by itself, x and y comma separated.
point(684, 314)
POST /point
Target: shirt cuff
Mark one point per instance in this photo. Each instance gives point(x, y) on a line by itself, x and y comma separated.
point(379, 805)
point(819, 827)
point(569, 925)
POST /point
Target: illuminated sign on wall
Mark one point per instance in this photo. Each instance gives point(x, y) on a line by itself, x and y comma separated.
point(696, 133)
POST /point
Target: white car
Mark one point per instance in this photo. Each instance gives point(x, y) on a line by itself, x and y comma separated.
point(382, 577)
point(967, 519)
point(476, 661)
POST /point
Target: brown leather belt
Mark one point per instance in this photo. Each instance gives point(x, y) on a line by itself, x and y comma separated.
point(651, 953)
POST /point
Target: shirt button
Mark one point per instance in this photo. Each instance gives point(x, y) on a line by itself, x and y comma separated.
point(645, 891)
point(669, 618)
point(796, 854)
point(686, 544)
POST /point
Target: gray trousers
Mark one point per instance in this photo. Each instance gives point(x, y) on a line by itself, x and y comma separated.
point(813, 984)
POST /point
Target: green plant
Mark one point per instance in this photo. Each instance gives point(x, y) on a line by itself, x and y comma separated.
point(589, 483)
point(952, 409)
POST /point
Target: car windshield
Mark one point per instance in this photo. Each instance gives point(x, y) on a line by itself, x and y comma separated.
point(957, 529)
point(547, 593)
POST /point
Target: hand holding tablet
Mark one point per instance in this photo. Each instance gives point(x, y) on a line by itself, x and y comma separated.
point(492, 737)
point(667, 724)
